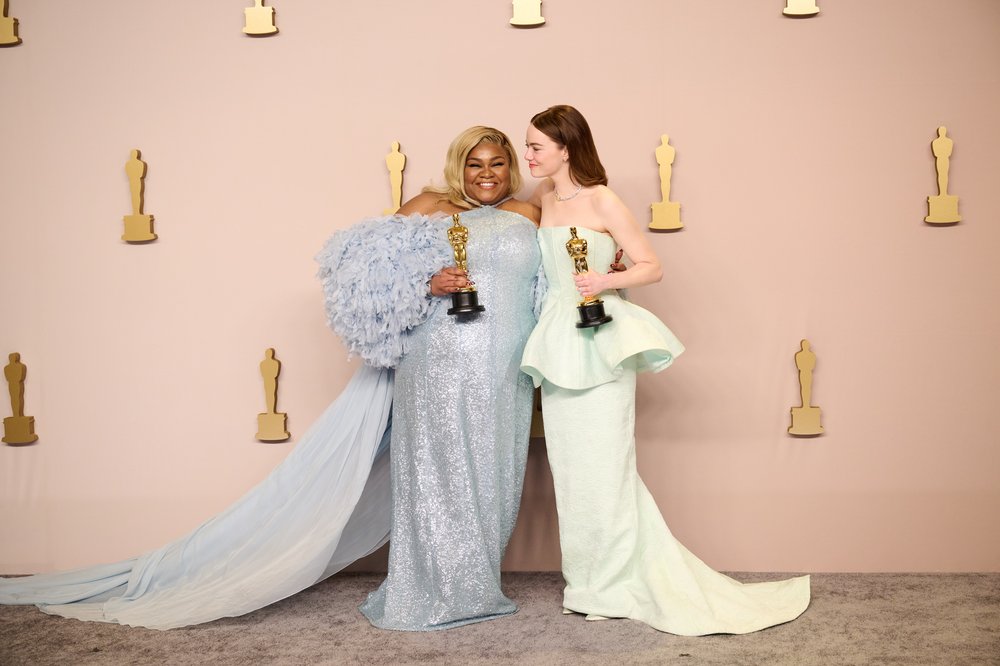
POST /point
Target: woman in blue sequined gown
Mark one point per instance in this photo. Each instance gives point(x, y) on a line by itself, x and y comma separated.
point(459, 411)
point(462, 411)
point(619, 558)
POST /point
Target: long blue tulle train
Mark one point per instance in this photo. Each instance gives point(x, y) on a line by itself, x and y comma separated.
point(326, 505)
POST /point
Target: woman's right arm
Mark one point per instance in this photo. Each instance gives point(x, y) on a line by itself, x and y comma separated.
point(450, 278)
point(424, 203)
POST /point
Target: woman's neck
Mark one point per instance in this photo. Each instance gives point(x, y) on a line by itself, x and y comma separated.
point(564, 187)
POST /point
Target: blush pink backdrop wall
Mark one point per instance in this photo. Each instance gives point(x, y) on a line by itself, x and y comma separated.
point(803, 166)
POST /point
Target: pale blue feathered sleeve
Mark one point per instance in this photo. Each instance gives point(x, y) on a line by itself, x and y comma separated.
point(374, 277)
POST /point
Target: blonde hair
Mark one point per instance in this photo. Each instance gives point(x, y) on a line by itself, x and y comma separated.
point(453, 190)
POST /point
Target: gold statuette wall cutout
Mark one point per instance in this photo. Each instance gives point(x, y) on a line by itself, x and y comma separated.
point(17, 429)
point(527, 13)
point(259, 20)
point(666, 213)
point(138, 226)
point(800, 8)
point(395, 162)
point(805, 419)
point(8, 27)
point(271, 424)
point(942, 209)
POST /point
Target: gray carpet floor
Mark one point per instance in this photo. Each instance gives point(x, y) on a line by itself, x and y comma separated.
point(853, 619)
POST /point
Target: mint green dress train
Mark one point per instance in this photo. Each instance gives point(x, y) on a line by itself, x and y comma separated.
point(619, 558)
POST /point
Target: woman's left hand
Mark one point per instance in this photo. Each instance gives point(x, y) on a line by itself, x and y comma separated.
point(591, 283)
point(617, 266)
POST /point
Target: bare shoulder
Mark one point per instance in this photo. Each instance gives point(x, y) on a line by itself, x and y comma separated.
point(424, 203)
point(606, 201)
point(528, 210)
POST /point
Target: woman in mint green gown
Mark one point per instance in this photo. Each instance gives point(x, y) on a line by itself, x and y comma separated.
point(619, 558)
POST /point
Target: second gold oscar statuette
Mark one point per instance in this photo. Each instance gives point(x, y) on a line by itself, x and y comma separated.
point(591, 308)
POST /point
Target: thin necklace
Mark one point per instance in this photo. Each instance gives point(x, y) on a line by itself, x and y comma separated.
point(479, 204)
point(559, 198)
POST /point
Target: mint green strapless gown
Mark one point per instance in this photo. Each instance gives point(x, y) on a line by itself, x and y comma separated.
point(619, 558)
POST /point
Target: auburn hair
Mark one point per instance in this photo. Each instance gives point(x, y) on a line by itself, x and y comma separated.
point(568, 128)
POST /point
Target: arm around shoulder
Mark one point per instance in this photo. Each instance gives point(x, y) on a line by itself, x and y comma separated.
point(525, 209)
point(543, 188)
point(424, 203)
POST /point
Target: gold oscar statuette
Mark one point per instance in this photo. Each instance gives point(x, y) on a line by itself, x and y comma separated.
point(591, 308)
point(942, 210)
point(805, 419)
point(138, 226)
point(465, 300)
point(8, 27)
point(527, 13)
point(259, 20)
point(17, 429)
point(271, 424)
point(666, 213)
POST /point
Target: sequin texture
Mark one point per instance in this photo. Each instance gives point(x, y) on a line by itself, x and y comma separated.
point(460, 424)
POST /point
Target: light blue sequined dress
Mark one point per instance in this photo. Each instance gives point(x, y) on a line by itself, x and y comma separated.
point(461, 420)
point(619, 558)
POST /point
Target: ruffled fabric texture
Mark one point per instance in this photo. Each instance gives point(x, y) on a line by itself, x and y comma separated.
point(374, 277)
point(581, 358)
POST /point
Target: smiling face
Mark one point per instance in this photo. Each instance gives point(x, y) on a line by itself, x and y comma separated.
point(545, 157)
point(487, 173)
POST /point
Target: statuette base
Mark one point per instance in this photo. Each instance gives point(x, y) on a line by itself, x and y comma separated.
point(8, 31)
point(666, 216)
point(800, 8)
point(592, 314)
point(465, 302)
point(271, 427)
point(259, 21)
point(138, 229)
point(805, 422)
point(943, 209)
point(19, 430)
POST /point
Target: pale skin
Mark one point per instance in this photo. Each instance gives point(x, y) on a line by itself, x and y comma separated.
point(596, 208)
point(487, 180)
